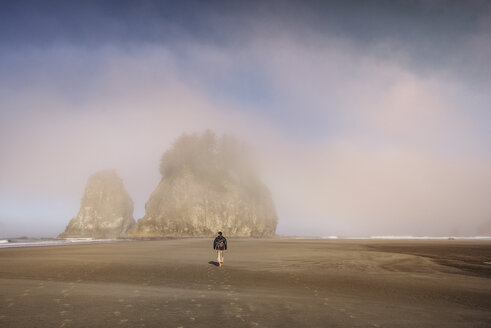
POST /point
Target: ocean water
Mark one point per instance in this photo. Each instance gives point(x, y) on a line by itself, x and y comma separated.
point(432, 237)
point(400, 237)
point(32, 242)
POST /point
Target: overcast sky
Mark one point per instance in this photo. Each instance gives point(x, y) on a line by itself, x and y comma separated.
point(368, 117)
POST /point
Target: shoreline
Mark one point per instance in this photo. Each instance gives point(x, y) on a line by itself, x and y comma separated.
point(57, 241)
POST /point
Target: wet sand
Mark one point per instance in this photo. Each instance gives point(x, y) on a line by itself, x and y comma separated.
point(272, 283)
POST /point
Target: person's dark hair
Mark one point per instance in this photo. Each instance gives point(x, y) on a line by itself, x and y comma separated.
point(220, 233)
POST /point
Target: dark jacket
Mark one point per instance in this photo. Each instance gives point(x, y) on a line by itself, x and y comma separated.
point(217, 239)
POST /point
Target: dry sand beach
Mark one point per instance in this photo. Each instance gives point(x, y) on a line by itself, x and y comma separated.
point(272, 283)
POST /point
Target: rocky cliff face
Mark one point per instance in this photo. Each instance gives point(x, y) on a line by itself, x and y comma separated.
point(106, 210)
point(207, 186)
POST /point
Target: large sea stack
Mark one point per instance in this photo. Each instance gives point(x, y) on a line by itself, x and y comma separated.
point(106, 210)
point(208, 185)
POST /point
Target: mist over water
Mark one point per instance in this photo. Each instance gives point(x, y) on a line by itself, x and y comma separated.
point(360, 126)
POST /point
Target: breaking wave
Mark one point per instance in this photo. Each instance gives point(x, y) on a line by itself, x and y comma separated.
point(52, 242)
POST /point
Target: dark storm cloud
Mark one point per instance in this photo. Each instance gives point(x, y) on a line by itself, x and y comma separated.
point(437, 22)
point(37, 23)
point(428, 35)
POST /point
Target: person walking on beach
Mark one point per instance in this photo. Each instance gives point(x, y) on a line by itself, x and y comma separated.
point(220, 245)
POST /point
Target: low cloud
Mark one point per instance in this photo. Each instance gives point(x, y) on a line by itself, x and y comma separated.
point(350, 141)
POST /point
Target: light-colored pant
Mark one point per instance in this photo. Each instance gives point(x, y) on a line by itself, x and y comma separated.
point(219, 256)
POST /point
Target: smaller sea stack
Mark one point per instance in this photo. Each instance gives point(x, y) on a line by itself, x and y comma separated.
point(106, 210)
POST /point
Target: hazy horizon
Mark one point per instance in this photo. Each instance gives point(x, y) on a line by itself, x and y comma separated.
point(368, 118)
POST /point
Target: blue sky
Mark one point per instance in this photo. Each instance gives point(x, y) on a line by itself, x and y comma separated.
point(367, 117)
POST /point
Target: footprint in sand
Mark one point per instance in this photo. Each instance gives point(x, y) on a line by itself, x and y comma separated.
point(123, 320)
point(121, 300)
point(117, 313)
point(62, 313)
point(10, 305)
